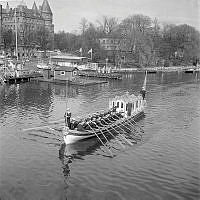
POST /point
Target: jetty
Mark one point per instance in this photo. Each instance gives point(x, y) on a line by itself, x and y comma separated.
point(17, 76)
point(62, 75)
point(157, 69)
point(77, 81)
point(100, 75)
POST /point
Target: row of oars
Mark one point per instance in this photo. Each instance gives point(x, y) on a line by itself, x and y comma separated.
point(111, 125)
point(122, 128)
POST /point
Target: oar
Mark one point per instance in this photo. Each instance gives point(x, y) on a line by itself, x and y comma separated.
point(35, 128)
point(138, 126)
point(125, 131)
point(100, 131)
point(101, 140)
point(39, 127)
point(123, 124)
point(112, 135)
point(119, 133)
point(126, 122)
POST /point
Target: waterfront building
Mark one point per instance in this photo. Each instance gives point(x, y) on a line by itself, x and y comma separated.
point(62, 73)
point(68, 60)
point(27, 21)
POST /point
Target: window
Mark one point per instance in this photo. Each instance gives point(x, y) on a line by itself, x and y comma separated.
point(62, 73)
point(133, 106)
point(122, 105)
point(113, 103)
point(118, 104)
point(75, 73)
point(136, 104)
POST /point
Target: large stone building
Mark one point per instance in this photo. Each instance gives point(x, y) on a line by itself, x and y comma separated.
point(28, 21)
point(110, 43)
point(1, 44)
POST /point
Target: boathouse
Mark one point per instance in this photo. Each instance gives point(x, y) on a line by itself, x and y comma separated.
point(65, 73)
point(47, 73)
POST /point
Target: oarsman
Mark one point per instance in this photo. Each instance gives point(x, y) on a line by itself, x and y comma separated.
point(114, 108)
point(80, 126)
point(67, 117)
point(143, 92)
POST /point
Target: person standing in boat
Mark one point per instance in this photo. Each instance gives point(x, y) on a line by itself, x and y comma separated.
point(67, 117)
point(143, 92)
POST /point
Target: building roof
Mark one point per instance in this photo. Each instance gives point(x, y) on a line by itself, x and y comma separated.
point(45, 7)
point(128, 98)
point(34, 6)
point(28, 13)
point(64, 68)
point(67, 57)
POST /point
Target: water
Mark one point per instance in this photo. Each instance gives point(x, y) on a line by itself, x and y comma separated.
point(165, 164)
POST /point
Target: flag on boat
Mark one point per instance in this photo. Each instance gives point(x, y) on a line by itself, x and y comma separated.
point(145, 81)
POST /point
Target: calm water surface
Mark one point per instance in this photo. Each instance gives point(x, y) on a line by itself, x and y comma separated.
point(165, 164)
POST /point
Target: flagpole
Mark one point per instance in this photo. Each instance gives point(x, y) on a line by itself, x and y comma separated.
point(81, 51)
point(16, 47)
point(90, 51)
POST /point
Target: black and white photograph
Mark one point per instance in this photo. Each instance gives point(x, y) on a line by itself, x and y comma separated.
point(100, 100)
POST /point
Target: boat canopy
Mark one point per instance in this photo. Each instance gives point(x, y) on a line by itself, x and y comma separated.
point(127, 103)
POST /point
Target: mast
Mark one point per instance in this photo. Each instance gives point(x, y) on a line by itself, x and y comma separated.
point(145, 81)
point(16, 47)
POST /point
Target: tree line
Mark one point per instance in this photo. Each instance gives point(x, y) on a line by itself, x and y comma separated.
point(29, 39)
point(142, 41)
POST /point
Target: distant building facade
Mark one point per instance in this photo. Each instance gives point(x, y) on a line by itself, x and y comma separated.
point(68, 60)
point(1, 42)
point(65, 73)
point(109, 44)
point(27, 21)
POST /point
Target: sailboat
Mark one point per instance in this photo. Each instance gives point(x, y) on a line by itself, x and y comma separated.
point(123, 112)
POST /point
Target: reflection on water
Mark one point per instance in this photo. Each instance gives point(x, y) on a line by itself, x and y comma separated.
point(163, 165)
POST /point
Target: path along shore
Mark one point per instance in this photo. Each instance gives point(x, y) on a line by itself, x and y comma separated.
point(157, 69)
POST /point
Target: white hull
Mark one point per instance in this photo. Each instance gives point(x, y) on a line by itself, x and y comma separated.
point(70, 139)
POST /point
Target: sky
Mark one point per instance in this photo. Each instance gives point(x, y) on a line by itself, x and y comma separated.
point(67, 14)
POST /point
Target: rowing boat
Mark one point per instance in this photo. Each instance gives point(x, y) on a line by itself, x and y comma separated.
point(72, 136)
point(122, 112)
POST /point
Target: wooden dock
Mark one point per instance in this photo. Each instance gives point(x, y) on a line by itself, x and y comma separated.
point(100, 75)
point(22, 78)
point(157, 69)
point(78, 82)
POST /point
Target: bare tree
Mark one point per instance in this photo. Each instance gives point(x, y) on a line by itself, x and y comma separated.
point(108, 24)
point(83, 25)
